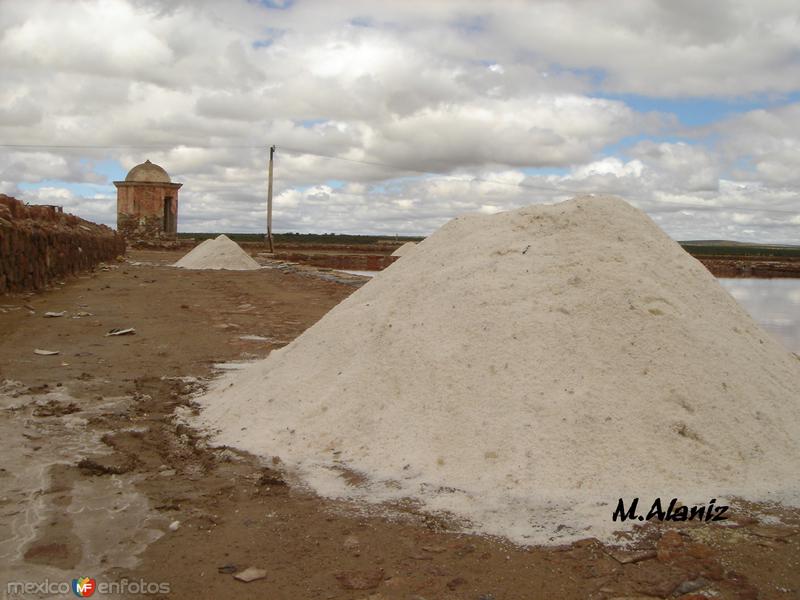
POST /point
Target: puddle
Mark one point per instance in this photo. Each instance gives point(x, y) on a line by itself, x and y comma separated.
point(773, 303)
point(232, 366)
point(256, 338)
point(69, 525)
point(361, 273)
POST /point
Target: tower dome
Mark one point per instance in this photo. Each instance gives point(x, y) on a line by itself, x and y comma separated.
point(148, 172)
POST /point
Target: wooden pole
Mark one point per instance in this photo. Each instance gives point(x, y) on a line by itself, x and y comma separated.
point(269, 201)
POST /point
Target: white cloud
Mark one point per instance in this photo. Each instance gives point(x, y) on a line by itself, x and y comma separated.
point(483, 93)
point(767, 141)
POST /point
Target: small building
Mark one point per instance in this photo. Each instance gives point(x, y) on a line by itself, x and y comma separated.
point(147, 204)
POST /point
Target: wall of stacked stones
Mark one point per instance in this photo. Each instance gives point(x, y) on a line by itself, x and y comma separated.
point(39, 244)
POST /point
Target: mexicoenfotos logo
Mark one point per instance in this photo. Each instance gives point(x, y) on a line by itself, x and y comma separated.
point(84, 586)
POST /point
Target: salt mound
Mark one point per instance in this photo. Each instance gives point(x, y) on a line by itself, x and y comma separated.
point(405, 249)
point(524, 371)
point(219, 253)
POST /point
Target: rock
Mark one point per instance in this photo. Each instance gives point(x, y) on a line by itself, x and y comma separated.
point(351, 543)
point(629, 557)
point(271, 477)
point(359, 580)
point(227, 569)
point(775, 533)
point(689, 586)
point(455, 582)
point(670, 546)
point(250, 574)
point(466, 549)
point(174, 526)
point(55, 409)
point(587, 543)
point(699, 551)
point(659, 581)
point(117, 331)
point(632, 598)
point(113, 464)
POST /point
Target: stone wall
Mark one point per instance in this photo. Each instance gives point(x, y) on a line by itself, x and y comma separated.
point(39, 244)
point(141, 212)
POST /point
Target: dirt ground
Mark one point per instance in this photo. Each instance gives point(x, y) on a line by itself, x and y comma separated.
point(99, 478)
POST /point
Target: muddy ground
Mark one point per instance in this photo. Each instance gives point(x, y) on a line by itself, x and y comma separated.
point(98, 478)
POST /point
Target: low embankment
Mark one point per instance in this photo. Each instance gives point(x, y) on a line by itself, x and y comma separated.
point(39, 244)
point(751, 266)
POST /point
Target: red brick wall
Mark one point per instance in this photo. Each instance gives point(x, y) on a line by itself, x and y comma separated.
point(140, 210)
point(39, 245)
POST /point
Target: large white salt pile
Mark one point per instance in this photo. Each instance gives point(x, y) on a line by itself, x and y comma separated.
point(524, 371)
point(405, 249)
point(219, 253)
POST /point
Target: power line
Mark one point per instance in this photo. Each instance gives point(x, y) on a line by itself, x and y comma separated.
point(398, 168)
point(291, 150)
point(129, 146)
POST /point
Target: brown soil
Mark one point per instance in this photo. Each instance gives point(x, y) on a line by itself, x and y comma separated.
point(234, 512)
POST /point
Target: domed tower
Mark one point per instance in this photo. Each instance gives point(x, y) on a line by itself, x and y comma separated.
point(147, 204)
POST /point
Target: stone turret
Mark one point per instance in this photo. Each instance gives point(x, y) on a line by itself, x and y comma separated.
point(147, 204)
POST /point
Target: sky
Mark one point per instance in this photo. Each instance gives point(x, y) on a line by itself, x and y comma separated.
point(393, 117)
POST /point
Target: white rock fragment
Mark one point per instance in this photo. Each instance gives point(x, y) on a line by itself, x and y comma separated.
point(250, 574)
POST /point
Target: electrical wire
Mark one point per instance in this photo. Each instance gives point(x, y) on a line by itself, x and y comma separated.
point(398, 168)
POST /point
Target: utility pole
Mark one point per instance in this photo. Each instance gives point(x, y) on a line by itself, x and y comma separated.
point(269, 201)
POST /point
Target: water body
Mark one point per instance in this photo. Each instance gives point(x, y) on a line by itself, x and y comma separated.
point(773, 303)
point(362, 273)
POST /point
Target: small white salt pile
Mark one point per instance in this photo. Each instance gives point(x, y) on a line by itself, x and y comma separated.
point(524, 371)
point(219, 253)
point(405, 249)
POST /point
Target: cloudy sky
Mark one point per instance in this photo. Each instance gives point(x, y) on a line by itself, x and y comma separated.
point(394, 116)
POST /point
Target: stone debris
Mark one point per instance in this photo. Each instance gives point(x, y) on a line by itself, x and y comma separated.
point(127, 331)
point(360, 580)
point(250, 574)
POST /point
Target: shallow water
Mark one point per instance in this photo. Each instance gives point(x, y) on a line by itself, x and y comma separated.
point(773, 303)
point(110, 521)
point(362, 273)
